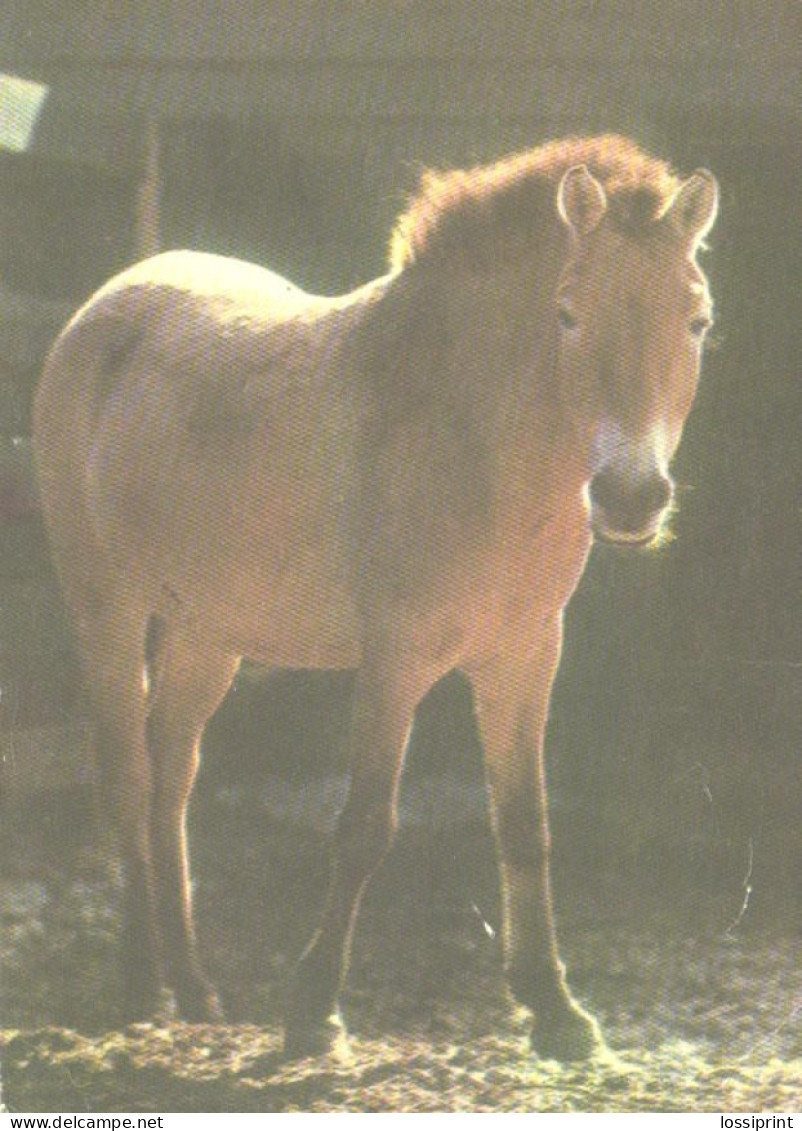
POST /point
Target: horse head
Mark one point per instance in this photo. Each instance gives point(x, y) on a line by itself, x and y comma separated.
point(632, 311)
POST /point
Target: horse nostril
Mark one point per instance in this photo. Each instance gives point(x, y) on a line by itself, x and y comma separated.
point(605, 491)
point(608, 492)
point(653, 496)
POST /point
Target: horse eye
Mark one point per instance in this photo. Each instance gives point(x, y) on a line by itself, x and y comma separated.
point(566, 319)
point(700, 326)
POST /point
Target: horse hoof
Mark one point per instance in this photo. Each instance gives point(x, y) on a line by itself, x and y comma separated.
point(200, 1008)
point(571, 1035)
point(143, 1006)
point(326, 1037)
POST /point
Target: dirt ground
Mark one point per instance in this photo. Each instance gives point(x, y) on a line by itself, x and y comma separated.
point(701, 1006)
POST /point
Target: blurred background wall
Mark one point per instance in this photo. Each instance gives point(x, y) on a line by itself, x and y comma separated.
point(289, 132)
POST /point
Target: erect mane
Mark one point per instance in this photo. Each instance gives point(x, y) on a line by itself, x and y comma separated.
point(512, 197)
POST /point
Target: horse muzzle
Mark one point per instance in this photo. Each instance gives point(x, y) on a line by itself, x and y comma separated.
point(628, 514)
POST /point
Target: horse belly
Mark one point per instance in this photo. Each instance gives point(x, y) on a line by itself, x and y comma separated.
point(276, 588)
point(299, 615)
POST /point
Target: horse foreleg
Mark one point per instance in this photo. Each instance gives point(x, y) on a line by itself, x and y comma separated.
point(512, 703)
point(191, 684)
point(380, 723)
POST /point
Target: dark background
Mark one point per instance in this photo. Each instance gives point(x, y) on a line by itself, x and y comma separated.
point(289, 133)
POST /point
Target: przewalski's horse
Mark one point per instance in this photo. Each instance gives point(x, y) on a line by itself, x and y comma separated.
point(402, 481)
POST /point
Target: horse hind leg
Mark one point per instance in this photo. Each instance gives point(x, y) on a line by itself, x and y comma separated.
point(187, 684)
point(111, 639)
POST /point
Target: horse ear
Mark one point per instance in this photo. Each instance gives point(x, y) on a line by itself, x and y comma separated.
point(693, 210)
point(581, 200)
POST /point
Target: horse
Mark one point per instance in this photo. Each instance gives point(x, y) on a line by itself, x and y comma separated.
point(402, 481)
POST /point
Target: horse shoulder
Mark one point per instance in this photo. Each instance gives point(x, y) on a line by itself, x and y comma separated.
point(426, 499)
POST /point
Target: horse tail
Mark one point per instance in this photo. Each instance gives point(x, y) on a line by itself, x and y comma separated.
point(92, 353)
point(82, 369)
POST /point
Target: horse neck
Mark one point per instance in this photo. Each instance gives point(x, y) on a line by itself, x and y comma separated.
point(478, 346)
point(501, 368)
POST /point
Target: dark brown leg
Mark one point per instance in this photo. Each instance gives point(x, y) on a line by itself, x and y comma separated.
point(382, 715)
point(512, 703)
